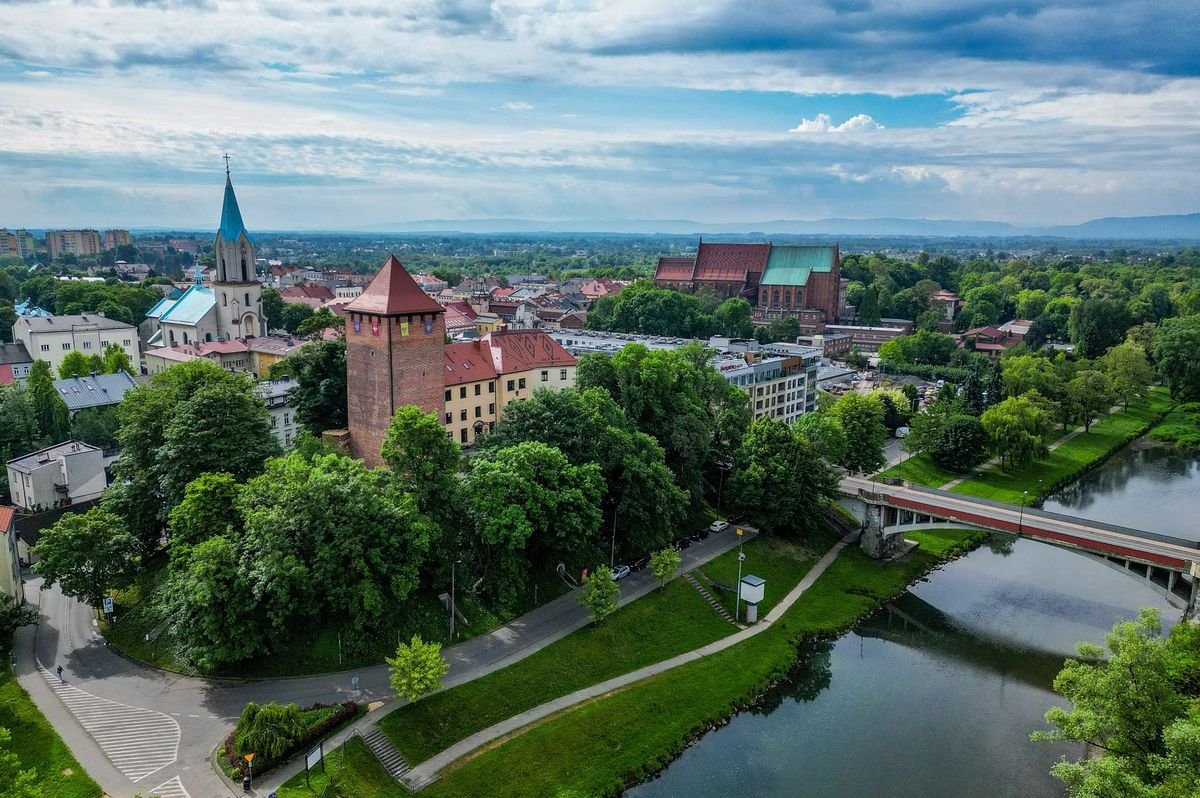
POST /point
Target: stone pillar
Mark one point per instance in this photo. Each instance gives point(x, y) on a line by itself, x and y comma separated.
point(874, 543)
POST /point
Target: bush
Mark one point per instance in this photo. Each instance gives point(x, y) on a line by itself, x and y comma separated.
point(261, 730)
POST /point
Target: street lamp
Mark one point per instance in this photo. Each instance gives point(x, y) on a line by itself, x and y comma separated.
point(737, 604)
point(1021, 517)
point(452, 565)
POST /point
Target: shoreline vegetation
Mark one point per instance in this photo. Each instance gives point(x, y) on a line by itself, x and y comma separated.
point(597, 748)
point(1065, 464)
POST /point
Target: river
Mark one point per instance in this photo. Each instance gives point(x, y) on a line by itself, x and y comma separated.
point(937, 695)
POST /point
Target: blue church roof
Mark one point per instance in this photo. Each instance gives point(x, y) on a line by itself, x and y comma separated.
point(231, 216)
point(192, 307)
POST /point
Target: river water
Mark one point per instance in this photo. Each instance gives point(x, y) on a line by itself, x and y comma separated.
point(937, 695)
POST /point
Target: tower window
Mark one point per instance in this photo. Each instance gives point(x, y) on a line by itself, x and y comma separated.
point(224, 299)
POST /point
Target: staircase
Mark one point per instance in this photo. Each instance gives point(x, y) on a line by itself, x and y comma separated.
point(391, 759)
point(712, 602)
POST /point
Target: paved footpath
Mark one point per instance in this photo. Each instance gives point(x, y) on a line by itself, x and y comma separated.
point(427, 772)
point(144, 702)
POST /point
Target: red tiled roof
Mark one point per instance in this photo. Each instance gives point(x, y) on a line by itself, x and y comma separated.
point(521, 350)
point(307, 292)
point(393, 292)
point(498, 293)
point(468, 362)
point(989, 332)
point(675, 269)
point(463, 308)
point(6, 517)
point(730, 262)
point(457, 320)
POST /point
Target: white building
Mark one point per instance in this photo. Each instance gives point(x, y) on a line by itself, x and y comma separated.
point(10, 561)
point(52, 338)
point(59, 476)
point(783, 388)
point(284, 425)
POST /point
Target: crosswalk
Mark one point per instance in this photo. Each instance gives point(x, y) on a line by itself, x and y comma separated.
point(139, 742)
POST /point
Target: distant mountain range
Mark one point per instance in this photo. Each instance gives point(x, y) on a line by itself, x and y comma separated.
point(1179, 227)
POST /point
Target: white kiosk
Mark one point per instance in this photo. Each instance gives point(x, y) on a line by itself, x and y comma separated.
point(751, 590)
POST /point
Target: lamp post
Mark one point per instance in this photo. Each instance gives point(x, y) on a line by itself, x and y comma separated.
point(737, 604)
point(452, 566)
point(1021, 517)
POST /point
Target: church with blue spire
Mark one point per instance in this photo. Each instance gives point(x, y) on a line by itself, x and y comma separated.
point(229, 309)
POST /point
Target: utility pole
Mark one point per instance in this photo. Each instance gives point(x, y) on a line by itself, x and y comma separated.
point(737, 604)
point(452, 607)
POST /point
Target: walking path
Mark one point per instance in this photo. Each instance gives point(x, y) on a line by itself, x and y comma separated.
point(426, 773)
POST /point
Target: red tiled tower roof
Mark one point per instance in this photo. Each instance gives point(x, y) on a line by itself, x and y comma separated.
point(730, 262)
point(393, 292)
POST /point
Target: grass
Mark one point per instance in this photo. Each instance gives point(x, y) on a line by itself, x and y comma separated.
point(38, 746)
point(1180, 427)
point(921, 470)
point(603, 746)
point(358, 775)
point(667, 622)
point(312, 650)
point(780, 562)
point(1071, 459)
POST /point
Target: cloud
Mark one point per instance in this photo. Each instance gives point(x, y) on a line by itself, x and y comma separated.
point(518, 106)
point(823, 123)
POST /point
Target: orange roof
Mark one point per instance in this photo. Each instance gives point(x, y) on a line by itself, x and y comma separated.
point(730, 262)
point(521, 350)
point(6, 516)
point(467, 362)
point(393, 292)
point(675, 268)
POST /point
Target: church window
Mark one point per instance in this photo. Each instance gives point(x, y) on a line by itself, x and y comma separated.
point(244, 276)
point(775, 297)
point(247, 300)
point(787, 298)
point(764, 296)
point(185, 339)
point(224, 299)
point(208, 337)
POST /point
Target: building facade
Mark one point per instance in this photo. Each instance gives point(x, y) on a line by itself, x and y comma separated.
point(58, 476)
point(10, 561)
point(116, 238)
point(51, 338)
point(284, 425)
point(75, 242)
point(20, 243)
point(15, 363)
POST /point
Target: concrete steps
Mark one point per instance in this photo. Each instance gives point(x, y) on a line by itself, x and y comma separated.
point(391, 759)
point(712, 602)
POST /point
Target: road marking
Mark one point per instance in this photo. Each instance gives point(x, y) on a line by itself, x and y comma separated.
point(137, 741)
point(170, 789)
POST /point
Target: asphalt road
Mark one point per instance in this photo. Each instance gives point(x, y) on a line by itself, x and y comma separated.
point(137, 729)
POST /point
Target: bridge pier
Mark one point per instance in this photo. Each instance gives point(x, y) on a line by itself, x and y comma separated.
point(875, 542)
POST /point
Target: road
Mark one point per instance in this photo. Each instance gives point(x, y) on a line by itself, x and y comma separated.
point(137, 729)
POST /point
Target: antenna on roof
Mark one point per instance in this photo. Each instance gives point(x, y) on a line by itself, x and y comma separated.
point(226, 156)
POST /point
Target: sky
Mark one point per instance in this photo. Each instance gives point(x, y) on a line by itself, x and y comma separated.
point(350, 114)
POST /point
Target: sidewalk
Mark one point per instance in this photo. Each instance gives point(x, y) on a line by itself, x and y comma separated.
point(426, 773)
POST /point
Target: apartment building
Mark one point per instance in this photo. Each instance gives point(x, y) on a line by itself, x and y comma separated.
point(51, 338)
point(75, 242)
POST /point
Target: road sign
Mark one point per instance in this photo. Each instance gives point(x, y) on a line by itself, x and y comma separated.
point(249, 757)
point(108, 605)
point(739, 530)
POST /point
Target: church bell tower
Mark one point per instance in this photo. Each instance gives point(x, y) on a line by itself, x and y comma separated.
point(237, 290)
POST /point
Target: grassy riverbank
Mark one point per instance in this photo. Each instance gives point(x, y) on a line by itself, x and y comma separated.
point(38, 746)
point(1035, 481)
point(666, 622)
point(1181, 427)
point(604, 745)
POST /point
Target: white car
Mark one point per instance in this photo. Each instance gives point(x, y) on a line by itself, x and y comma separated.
point(718, 526)
point(901, 432)
point(620, 572)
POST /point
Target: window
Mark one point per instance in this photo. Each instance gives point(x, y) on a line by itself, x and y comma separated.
point(66, 347)
point(462, 433)
point(478, 411)
point(247, 295)
point(462, 414)
point(447, 394)
point(492, 409)
point(449, 416)
point(287, 419)
point(87, 344)
point(491, 387)
point(224, 296)
point(478, 389)
point(449, 434)
point(287, 439)
point(45, 347)
point(274, 422)
point(462, 392)
point(510, 385)
point(521, 382)
point(545, 376)
point(562, 374)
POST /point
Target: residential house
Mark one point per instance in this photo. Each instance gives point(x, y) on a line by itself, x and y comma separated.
point(10, 560)
point(284, 425)
point(62, 475)
point(15, 363)
point(93, 390)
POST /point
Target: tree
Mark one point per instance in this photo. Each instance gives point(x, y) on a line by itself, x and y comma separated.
point(1089, 394)
point(1097, 325)
point(732, 318)
point(861, 418)
point(824, 434)
point(664, 563)
point(780, 480)
point(1128, 371)
point(96, 425)
point(208, 508)
point(600, 593)
point(221, 427)
point(418, 668)
point(270, 730)
point(19, 433)
point(786, 329)
point(530, 508)
point(294, 315)
point(423, 460)
point(972, 394)
point(75, 364)
point(115, 359)
point(13, 615)
point(49, 409)
point(1175, 349)
point(319, 321)
point(960, 444)
point(893, 419)
point(272, 309)
point(924, 347)
point(868, 309)
point(1024, 373)
point(87, 554)
point(1015, 428)
point(1134, 700)
point(319, 397)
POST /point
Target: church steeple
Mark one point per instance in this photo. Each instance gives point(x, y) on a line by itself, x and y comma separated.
point(237, 290)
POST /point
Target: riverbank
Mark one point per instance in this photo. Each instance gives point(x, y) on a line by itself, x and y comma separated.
point(1031, 483)
point(1181, 427)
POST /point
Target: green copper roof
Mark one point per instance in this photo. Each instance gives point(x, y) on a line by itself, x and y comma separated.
point(792, 265)
point(231, 216)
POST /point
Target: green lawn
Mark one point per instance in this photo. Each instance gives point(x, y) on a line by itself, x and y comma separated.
point(38, 746)
point(921, 470)
point(357, 775)
point(667, 622)
point(1181, 427)
point(603, 746)
point(1069, 460)
point(315, 650)
point(780, 562)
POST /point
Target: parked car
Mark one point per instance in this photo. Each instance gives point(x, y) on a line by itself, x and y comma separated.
point(681, 544)
point(620, 572)
point(699, 535)
point(901, 432)
point(639, 563)
point(718, 526)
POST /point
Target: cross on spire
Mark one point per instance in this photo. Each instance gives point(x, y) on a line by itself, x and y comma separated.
point(226, 164)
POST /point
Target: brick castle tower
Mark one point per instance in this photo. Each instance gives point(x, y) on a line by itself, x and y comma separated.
point(395, 338)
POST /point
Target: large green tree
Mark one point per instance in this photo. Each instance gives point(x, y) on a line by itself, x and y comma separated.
point(49, 409)
point(19, 433)
point(780, 480)
point(1175, 348)
point(1090, 394)
point(732, 318)
point(1015, 428)
point(825, 434)
point(87, 554)
point(1129, 372)
point(423, 460)
point(319, 397)
point(1097, 325)
point(209, 508)
point(960, 443)
point(861, 418)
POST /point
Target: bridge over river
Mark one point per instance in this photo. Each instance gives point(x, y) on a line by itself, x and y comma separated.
point(889, 508)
